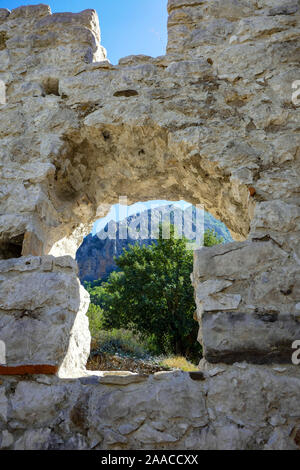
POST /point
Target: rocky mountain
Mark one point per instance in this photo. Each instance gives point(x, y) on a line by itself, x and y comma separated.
point(95, 257)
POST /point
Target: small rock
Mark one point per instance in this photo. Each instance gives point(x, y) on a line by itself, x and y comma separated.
point(215, 371)
point(125, 429)
point(122, 378)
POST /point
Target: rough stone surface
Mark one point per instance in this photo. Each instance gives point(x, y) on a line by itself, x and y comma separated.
point(211, 122)
point(237, 407)
point(246, 295)
point(262, 337)
point(43, 325)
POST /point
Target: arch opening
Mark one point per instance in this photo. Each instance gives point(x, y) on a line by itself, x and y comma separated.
point(102, 163)
point(111, 268)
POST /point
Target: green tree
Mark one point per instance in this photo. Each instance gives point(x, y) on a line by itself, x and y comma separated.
point(153, 296)
point(96, 319)
point(211, 238)
point(97, 292)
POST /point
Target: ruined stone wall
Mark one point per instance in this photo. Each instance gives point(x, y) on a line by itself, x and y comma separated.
point(210, 122)
point(232, 407)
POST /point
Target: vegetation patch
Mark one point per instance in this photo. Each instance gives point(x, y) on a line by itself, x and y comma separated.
point(145, 310)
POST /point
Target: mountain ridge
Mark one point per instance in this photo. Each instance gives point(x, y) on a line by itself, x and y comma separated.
point(95, 257)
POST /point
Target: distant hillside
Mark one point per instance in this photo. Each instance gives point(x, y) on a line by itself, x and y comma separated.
point(95, 257)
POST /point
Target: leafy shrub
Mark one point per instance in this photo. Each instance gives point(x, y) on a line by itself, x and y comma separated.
point(152, 296)
point(95, 316)
point(122, 342)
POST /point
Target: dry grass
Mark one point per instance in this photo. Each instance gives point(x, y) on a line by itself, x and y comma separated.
point(119, 349)
point(178, 362)
point(106, 361)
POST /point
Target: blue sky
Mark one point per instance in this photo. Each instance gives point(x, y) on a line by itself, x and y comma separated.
point(127, 26)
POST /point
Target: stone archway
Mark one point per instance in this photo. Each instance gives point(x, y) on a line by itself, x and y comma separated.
point(213, 122)
point(186, 125)
point(104, 162)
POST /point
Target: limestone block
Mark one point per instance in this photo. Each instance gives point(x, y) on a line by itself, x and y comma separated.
point(209, 296)
point(30, 11)
point(37, 402)
point(42, 316)
point(258, 338)
point(4, 13)
point(234, 9)
point(282, 8)
point(280, 440)
point(248, 30)
point(121, 378)
point(79, 341)
point(4, 60)
point(34, 440)
point(87, 18)
point(148, 435)
point(213, 32)
point(246, 296)
point(220, 9)
point(276, 216)
point(32, 245)
point(235, 260)
point(198, 68)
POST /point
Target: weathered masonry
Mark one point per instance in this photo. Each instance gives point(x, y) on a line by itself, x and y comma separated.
point(211, 122)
